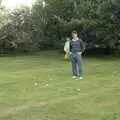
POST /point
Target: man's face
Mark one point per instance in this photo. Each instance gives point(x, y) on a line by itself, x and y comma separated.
point(74, 35)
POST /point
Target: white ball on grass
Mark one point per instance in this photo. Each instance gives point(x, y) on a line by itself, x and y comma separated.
point(78, 89)
point(35, 84)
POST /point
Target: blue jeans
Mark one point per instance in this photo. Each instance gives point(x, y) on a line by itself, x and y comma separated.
point(77, 67)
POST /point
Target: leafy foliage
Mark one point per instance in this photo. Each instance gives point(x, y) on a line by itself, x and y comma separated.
point(47, 25)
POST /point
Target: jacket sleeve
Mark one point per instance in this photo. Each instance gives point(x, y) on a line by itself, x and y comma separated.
point(67, 46)
point(65, 49)
point(82, 44)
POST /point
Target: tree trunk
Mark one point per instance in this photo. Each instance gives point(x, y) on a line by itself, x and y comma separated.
point(58, 31)
point(0, 2)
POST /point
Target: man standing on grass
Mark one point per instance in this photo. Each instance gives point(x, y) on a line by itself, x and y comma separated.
point(77, 47)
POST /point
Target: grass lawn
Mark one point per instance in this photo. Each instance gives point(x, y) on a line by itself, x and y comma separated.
point(40, 87)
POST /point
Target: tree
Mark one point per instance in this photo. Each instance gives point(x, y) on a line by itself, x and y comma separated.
point(92, 18)
point(47, 25)
point(0, 2)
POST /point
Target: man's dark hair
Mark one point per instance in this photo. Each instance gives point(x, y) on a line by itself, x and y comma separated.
point(74, 32)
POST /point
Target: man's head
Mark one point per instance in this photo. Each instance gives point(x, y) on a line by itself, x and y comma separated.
point(74, 34)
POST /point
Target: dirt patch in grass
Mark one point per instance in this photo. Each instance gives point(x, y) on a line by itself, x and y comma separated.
point(107, 103)
point(15, 110)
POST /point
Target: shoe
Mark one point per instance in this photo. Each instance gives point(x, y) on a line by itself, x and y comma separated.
point(80, 78)
point(74, 77)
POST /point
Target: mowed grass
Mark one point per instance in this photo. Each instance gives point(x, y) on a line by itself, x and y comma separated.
point(40, 87)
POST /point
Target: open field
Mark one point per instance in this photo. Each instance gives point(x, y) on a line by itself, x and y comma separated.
point(40, 87)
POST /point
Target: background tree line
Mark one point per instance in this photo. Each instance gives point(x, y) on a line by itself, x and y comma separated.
point(46, 26)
